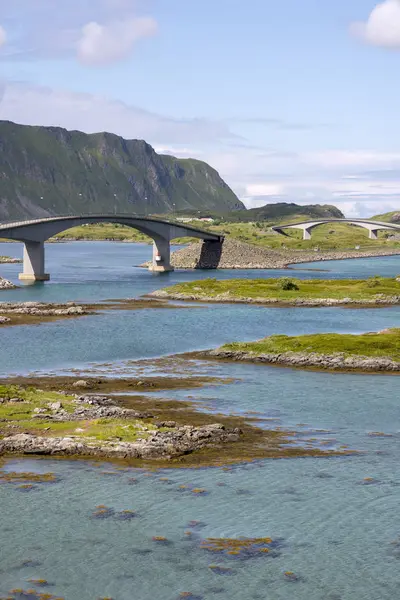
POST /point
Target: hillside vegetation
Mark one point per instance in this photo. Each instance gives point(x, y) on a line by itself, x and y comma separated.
point(377, 345)
point(51, 171)
point(333, 236)
point(288, 289)
point(390, 217)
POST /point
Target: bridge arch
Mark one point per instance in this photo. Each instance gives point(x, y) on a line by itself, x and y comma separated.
point(307, 226)
point(35, 232)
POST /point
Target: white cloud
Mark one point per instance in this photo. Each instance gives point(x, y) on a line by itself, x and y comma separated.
point(3, 36)
point(103, 44)
point(360, 182)
point(382, 27)
point(35, 105)
point(352, 158)
point(97, 32)
point(265, 189)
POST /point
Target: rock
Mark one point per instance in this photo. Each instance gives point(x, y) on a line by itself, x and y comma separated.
point(165, 424)
point(6, 285)
point(336, 361)
point(81, 383)
point(165, 444)
point(234, 254)
point(95, 400)
point(54, 406)
point(39, 411)
point(4, 320)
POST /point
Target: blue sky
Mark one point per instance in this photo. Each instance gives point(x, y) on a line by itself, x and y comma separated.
point(290, 100)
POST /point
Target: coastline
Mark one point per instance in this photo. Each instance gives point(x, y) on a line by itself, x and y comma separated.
point(279, 302)
point(337, 362)
point(83, 422)
point(234, 254)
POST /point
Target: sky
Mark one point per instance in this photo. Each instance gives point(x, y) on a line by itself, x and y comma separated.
point(290, 100)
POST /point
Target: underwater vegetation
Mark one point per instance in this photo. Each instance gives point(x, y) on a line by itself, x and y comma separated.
point(20, 594)
point(243, 548)
point(160, 539)
point(104, 512)
point(292, 577)
point(15, 477)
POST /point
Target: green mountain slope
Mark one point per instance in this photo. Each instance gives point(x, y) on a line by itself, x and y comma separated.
point(285, 212)
point(51, 171)
point(390, 217)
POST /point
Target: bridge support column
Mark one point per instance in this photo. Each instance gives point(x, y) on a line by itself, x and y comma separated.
point(161, 262)
point(34, 262)
point(306, 234)
point(373, 234)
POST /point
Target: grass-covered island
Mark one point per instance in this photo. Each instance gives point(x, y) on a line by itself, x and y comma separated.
point(369, 352)
point(286, 291)
point(118, 419)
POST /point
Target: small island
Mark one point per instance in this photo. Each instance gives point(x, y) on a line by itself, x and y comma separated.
point(369, 352)
point(9, 260)
point(101, 418)
point(286, 291)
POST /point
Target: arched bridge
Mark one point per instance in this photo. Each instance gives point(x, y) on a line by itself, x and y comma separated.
point(307, 226)
point(34, 233)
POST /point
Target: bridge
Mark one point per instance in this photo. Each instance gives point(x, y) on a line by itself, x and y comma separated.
point(34, 233)
point(307, 226)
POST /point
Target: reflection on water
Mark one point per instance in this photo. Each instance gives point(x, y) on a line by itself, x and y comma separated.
point(333, 522)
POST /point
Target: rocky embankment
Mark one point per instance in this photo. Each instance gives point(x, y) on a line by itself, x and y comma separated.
point(233, 254)
point(377, 300)
point(333, 362)
point(165, 441)
point(43, 309)
point(6, 285)
point(9, 260)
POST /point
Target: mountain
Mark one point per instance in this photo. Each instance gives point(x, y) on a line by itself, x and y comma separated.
point(285, 211)
point(390, 217)
point(48, 171)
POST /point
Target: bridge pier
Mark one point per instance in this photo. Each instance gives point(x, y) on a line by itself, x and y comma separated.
point(306, 234)
point(161, 262)
point(373, 234)
point(33, 267)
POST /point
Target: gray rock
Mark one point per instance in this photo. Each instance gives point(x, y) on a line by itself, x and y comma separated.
point(166, 444)
point(81, 383)
point(54, 406)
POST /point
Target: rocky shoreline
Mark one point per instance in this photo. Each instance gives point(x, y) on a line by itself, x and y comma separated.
point(159, 445)
point(43, 309)
point(233, 254)
point(6, 285)
point(332, 362)
point(166, 440)
point(4, 260)
point(379, 300)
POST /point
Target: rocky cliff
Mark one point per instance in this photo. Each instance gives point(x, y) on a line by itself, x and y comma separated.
point(48, 171)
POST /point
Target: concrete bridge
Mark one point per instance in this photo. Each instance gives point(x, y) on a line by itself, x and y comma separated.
point(34, 233)
point(307, 226)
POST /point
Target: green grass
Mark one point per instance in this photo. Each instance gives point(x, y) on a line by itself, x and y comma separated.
point(354, 289)
point(387, 217)
point(333, 236)
point(20, 415)
point(108, 429)
point(109, 232)
point(385, 344)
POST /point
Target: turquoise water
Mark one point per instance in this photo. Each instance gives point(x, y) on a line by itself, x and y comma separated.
point(332, 528)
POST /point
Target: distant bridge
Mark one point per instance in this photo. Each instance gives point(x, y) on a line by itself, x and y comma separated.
point(34, 233)
point(307, 226)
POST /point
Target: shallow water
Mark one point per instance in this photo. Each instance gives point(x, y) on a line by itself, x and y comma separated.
point(335, 527)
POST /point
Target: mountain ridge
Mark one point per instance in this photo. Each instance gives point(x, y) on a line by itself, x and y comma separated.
point(47, 171)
